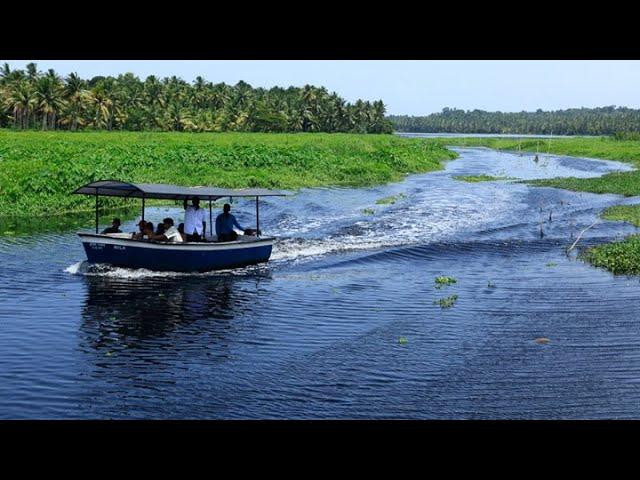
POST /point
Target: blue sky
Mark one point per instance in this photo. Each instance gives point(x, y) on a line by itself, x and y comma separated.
point(407, 87)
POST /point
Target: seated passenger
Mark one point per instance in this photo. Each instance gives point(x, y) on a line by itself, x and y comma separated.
point(114, 228)
point(181, 230)
point(224, 225)
point(160, 229)
point(171, 233)
point(142, 227)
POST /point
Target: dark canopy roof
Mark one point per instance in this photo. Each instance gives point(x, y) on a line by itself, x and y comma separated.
point(114, 188)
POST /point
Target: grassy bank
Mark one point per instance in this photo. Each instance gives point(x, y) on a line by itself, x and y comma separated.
point(38, 170)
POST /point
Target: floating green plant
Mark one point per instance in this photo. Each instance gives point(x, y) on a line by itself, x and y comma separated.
point(621, 257)
point(447, 302)
point(444, 281)
point(390, 200)
point(551, 264)
point(403, 340)
point(480, 178)
point(624, 213)
point(368, 211)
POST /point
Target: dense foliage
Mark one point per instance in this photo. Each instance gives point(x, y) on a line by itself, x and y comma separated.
point(574, 121)
point(618, 257)
point(39, 170)
point(32, 99)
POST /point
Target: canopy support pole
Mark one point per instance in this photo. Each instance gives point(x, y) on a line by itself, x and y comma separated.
point(96, 210)
point(257, 216)
point(143, 207)
point(210, 220)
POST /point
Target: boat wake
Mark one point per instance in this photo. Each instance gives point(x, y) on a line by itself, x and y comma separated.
point(85, 268)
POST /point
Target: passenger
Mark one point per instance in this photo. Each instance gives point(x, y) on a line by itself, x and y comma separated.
point(142, 227)
point(181, 230)
point(171, 233)
point(148, 230)
point(114, 228)
point(224, 225)
point(160, 229)
point(195, 225)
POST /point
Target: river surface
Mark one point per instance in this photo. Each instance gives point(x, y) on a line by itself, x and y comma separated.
point(343, 322)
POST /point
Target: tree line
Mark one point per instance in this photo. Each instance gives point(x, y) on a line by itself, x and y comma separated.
point(574, 121)
point(30, 99)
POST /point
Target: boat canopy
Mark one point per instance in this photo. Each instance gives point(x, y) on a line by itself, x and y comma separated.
point(114, 188)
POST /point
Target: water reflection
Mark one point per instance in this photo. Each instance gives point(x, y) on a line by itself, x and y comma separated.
point(146, 313)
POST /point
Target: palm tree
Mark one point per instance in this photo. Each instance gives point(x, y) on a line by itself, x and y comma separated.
point(102, 105)
point(78, 98)
point(21, 101)
point(49, 98)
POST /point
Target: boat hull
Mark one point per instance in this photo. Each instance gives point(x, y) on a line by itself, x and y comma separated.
point(187, 257)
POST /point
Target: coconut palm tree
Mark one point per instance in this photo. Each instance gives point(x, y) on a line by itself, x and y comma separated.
point(78, 99)
point(49, 97)
point(21, 100)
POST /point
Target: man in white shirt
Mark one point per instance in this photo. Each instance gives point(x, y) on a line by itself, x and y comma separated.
point(171, 233)
point(195, 225)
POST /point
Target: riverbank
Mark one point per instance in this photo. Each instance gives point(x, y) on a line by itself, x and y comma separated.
point(41, 169)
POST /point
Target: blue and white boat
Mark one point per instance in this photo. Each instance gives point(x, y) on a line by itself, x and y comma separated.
point(121, 250)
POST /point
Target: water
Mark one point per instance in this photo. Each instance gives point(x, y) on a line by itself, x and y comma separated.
point(342, 322)
point(487, 135)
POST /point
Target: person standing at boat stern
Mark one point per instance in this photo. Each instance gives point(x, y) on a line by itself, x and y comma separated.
point(224, 225)
point(195, 225)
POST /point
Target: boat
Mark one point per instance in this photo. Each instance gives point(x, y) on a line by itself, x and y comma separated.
point(121, 250)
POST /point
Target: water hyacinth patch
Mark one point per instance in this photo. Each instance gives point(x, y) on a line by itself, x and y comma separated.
point(447, 302)
point(620, 258)
point(390, 200)
point(479, 178)
point(444, 281)
point(624, 213)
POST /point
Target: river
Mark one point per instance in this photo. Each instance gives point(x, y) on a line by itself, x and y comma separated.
point(344, 321)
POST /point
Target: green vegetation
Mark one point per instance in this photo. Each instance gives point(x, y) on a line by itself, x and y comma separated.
point(39, 170)
point(389, 200)
point(368, 211)
point(479, 178)
point(445, 281)
point(574, 121)
point(624, 213)
point(621, 257)
point(35, 100)
point(403, 340)
point(447, 302)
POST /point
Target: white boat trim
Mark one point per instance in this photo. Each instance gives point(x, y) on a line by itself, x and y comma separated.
point(191, 246)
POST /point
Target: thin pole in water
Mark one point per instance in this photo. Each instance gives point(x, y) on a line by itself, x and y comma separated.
point(210, 220)
point(257, 216)
point(96, 210)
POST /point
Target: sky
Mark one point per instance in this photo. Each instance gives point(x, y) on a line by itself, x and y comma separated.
point(407, 87)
